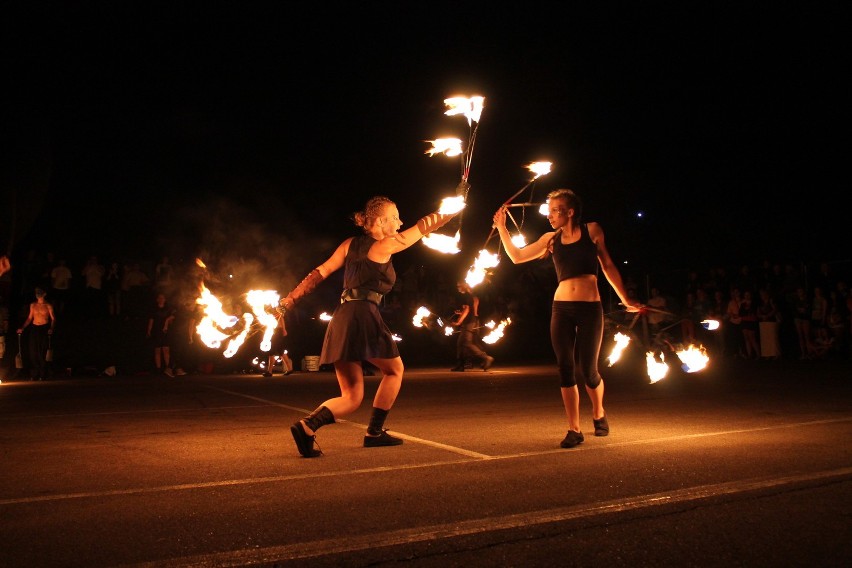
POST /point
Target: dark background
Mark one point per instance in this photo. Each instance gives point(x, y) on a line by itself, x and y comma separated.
point(250, 130)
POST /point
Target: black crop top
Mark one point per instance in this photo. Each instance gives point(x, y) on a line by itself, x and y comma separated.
point(577, 258)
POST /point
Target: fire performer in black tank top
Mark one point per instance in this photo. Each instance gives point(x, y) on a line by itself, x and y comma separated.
point(576, 321)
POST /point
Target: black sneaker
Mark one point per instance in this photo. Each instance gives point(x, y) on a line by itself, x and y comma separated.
point(383, 439)
point(601, 427)
point(304, 443)
point(572, 439)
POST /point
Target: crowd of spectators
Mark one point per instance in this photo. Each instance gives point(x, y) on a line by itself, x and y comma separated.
point(767, 311)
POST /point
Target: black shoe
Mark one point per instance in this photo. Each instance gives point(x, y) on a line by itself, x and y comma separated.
point(383, 439)
point(458, 369)
point(304, 443)
point(572, 439)
point(266, 374)
point(601, 427)
point(486, 364)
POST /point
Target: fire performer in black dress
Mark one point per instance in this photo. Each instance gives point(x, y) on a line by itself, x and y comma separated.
point(357, 332)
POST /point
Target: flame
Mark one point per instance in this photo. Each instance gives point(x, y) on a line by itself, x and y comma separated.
point(470, 107)
point(420, 317)
point(451, 205)
point(217, 326)
point(449, 330)
point(448, 146)
point(694, 358)
point(396, 337)
point(657, 370)
point(476, 273)
point(540, 168)
point(519, 240)
point(443, 243)
point(236, 342)
point(496, 331)
point(259, 300)
point(325, 317)
point(621, 342)
point(214, 321)
point(544, 209)
point(710, 325)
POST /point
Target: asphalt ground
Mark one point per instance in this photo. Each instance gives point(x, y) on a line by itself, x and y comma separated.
point(741, 464)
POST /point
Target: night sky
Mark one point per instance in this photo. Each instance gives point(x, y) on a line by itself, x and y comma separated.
point(242, 130)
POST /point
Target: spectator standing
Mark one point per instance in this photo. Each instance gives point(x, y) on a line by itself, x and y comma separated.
point(768, 316)
point(41, 320)
point(733, 329)
point(60, 285)
point(163, 274)
point(112, 287)
point(801, 306)
point(749, 326)
point(656, 319)
point(819, 316)
point(159, 320)
point(136, 291)
point(837, 322)
point(93, 277)
point(718, 307)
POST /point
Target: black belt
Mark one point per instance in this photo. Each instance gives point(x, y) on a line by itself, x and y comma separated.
point(360, 294)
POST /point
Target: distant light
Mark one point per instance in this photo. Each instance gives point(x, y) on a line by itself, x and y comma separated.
point(640, 214)
point(625, 262)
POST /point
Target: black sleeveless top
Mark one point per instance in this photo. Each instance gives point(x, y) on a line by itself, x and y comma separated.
point(361, 272)
point(576, 258)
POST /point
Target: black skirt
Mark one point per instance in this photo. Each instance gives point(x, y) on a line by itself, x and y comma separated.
point(357, 332)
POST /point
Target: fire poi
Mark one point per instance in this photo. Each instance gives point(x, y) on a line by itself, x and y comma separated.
point(693, 358)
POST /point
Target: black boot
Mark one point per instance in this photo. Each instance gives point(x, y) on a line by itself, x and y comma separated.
point(305, 443)
point(377, 436)
point(459, 368)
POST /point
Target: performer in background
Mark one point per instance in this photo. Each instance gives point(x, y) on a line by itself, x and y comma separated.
point(576, 321)
point(466, 319)
point(42, 321)
point(357, 332)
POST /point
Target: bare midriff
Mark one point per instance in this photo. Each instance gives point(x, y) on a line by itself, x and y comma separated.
point(578, 289)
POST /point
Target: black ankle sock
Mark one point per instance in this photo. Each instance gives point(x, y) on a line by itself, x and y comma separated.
point(377, 420)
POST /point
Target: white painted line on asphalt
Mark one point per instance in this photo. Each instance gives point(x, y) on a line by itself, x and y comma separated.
point(305, 550)
point(312, 475)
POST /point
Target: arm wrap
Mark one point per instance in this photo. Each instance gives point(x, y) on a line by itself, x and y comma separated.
point(433, 221)
point(305, 287)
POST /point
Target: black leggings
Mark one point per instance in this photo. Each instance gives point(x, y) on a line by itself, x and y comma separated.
point(576, 332)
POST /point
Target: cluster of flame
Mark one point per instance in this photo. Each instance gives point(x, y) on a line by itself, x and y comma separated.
point(470, 108)
point(216, 326)
point(425, 318)
point(693, 358)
